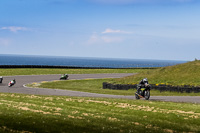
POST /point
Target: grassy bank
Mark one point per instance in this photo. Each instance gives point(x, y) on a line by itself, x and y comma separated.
point(29, 113)
point(37, 71)
point(182, 74)
point(95, 86)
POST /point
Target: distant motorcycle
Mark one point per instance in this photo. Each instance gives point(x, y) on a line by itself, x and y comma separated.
point(11, 83)
point(1, 79)
point(143, 92)
point(64, 77)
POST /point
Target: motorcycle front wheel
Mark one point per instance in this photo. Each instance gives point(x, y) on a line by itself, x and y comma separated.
point(147, 94)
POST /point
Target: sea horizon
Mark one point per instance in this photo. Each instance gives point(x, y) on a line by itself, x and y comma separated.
point(16, 59)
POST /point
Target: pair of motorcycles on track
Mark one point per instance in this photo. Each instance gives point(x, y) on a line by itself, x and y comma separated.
point(143, 91)
point(11, 83)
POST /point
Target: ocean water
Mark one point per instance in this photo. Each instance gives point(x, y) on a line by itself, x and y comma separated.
point(83, 62)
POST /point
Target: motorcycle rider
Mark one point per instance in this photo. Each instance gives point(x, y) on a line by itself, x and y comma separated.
point(143, 89)
point(143, 84)
point(12, 82)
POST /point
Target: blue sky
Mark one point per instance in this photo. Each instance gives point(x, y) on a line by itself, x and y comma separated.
point(135, 29)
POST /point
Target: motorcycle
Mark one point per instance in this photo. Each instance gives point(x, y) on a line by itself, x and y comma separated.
point(64, 77)
point(143, 92)
point(11, 83)
point(1, 79)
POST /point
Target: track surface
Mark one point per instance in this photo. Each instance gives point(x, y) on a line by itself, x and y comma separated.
point(22, 80)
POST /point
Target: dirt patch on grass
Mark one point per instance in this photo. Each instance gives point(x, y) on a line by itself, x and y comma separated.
point(190, 114)
point(75, 117)
point(94, 101)
point(113, 119)
point(29, 107)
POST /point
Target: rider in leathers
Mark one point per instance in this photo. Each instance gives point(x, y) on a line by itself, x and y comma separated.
point(143, 84)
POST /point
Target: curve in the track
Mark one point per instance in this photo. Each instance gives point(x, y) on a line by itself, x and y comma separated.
point(22, 80)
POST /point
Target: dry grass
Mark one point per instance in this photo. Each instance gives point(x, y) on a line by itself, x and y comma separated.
point(30, 113)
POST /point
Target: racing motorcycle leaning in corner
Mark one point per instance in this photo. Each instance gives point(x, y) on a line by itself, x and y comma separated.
point(143, 89)
point(11, 83)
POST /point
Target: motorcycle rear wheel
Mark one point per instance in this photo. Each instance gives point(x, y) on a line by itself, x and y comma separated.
point(136, 96)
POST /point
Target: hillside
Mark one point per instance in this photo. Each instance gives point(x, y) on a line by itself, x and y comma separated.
point(181, 74)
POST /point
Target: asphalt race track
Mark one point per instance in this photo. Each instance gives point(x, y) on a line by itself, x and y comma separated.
point(19, 87)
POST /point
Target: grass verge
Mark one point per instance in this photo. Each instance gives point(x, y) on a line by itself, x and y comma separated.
point(95, 86)
point(38, 71)
point(30, 113)
point(178, 75)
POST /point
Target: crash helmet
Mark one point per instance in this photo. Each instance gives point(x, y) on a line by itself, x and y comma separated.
point(145, 80)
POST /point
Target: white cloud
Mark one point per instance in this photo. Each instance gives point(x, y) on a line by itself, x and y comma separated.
point(108, 30)
point(14, 28)
point(99, 39)
point(108, 36)
point(4, 41)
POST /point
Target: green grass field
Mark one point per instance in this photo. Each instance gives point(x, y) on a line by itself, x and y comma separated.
point(30, 113)
point(182, 74)
point(43, 71)
point(95, 86)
